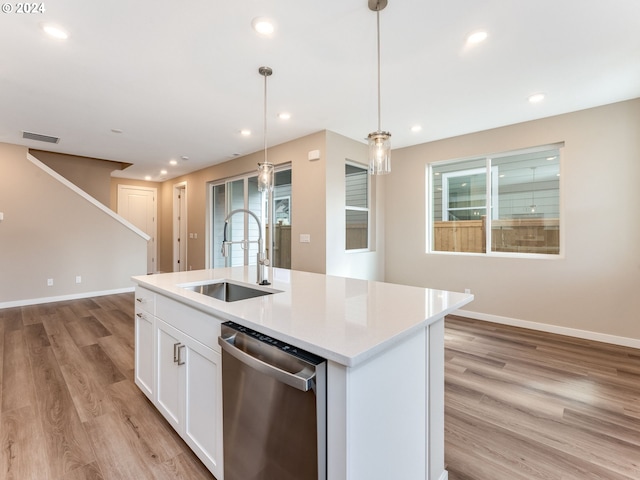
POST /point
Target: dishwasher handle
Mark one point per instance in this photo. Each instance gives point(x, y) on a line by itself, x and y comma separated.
point(303, 380)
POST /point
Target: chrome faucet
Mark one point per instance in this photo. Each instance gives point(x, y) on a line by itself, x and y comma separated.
point(263, 261)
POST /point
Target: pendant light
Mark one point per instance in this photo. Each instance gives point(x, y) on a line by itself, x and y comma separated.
point(379, 141)
point(265, 169)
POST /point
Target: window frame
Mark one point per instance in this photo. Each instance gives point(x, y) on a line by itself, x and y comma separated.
point(367, 209)
point(494, 200)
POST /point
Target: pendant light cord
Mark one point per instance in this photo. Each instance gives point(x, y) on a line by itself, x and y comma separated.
point(265, 119)
point(378, 30)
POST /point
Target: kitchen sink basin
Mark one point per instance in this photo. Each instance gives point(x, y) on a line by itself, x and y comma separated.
point(228, 291)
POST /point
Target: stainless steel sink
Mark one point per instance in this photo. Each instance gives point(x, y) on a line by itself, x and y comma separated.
point(228, 292)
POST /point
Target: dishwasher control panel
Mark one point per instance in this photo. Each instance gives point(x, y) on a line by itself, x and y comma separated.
point(285, 347)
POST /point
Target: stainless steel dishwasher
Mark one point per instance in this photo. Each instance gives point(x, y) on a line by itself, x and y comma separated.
point(274, 408)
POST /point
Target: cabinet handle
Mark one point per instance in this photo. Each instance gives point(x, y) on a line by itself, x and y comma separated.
point(176, 353)
point(180, 361)
point(139, 299)
point(139, 315)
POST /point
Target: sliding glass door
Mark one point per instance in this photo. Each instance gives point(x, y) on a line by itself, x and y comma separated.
point(226, 197)
point(242, 193)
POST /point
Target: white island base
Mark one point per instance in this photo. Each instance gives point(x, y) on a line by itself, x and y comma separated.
point(386, 416)
point(384, 346)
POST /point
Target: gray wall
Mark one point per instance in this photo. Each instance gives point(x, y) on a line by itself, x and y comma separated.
point(595, 286)
point(317, 199)
point(50, 231)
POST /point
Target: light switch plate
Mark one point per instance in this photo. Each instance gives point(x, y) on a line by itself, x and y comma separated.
point(305, 238)
point(1, 216)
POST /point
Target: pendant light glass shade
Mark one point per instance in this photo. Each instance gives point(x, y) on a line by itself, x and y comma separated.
point(265, 177)
point(379, 153)
point(265, 169)
point(379, 141)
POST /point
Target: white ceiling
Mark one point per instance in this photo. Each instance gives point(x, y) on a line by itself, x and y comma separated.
point(181, 78)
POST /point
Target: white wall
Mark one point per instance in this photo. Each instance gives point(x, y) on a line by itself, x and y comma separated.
point(50, 231)
point(596, 286)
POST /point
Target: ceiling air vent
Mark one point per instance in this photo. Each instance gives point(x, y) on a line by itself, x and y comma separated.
point(39, 137)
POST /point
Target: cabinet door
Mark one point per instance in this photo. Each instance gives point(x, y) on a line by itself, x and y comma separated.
point(170, 374)
point(203, 405)
point(144, 364)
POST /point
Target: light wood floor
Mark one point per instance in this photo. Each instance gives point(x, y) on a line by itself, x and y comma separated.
point(525, 405)
point(70, 409)
point(519, 404)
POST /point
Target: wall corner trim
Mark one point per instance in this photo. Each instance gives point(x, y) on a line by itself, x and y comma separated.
point(86, 196)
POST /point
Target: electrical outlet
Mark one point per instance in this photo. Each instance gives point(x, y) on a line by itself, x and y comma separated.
point(78, 279)
point(49, 282)
point(305, 238)
point(467, 290)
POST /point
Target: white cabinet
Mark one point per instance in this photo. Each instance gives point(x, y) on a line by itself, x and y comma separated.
point(169, 392)
point(144, 334)
point(189, 389)
point(178, 366)
point(203, 405)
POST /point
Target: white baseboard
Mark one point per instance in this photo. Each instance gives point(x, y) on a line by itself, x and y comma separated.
point(544, 327)
point(60, 298)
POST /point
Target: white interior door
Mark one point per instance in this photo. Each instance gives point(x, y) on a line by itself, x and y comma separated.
point(138, 206)
point(180, 227)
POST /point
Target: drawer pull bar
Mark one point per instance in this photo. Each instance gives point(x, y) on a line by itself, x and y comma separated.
point(176, 353)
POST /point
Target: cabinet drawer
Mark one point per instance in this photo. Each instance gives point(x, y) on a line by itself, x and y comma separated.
point(143, 314)
point(145, 300)
point(201, 326)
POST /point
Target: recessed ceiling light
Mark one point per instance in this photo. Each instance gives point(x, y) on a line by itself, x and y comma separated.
point(245, 132)
point(116, 130)
point(55, 31)
point(477, 37)
point(263, 25)
point(184, 158)
point(536, 98)
point(173, 162)
point(147, 177)
point(163, 172)
point(416, 128)
point(284, 116)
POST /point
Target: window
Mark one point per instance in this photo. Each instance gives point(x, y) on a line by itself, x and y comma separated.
point(505, 203)
point(356, 207)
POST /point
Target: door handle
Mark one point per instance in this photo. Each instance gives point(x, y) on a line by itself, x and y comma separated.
point(180, 349)
point(302, 380)
point(176, 352)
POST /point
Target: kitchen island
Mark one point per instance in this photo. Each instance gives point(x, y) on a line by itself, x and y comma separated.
point(384, 346)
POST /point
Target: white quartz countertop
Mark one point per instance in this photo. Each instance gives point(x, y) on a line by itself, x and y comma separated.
point(342, 319)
